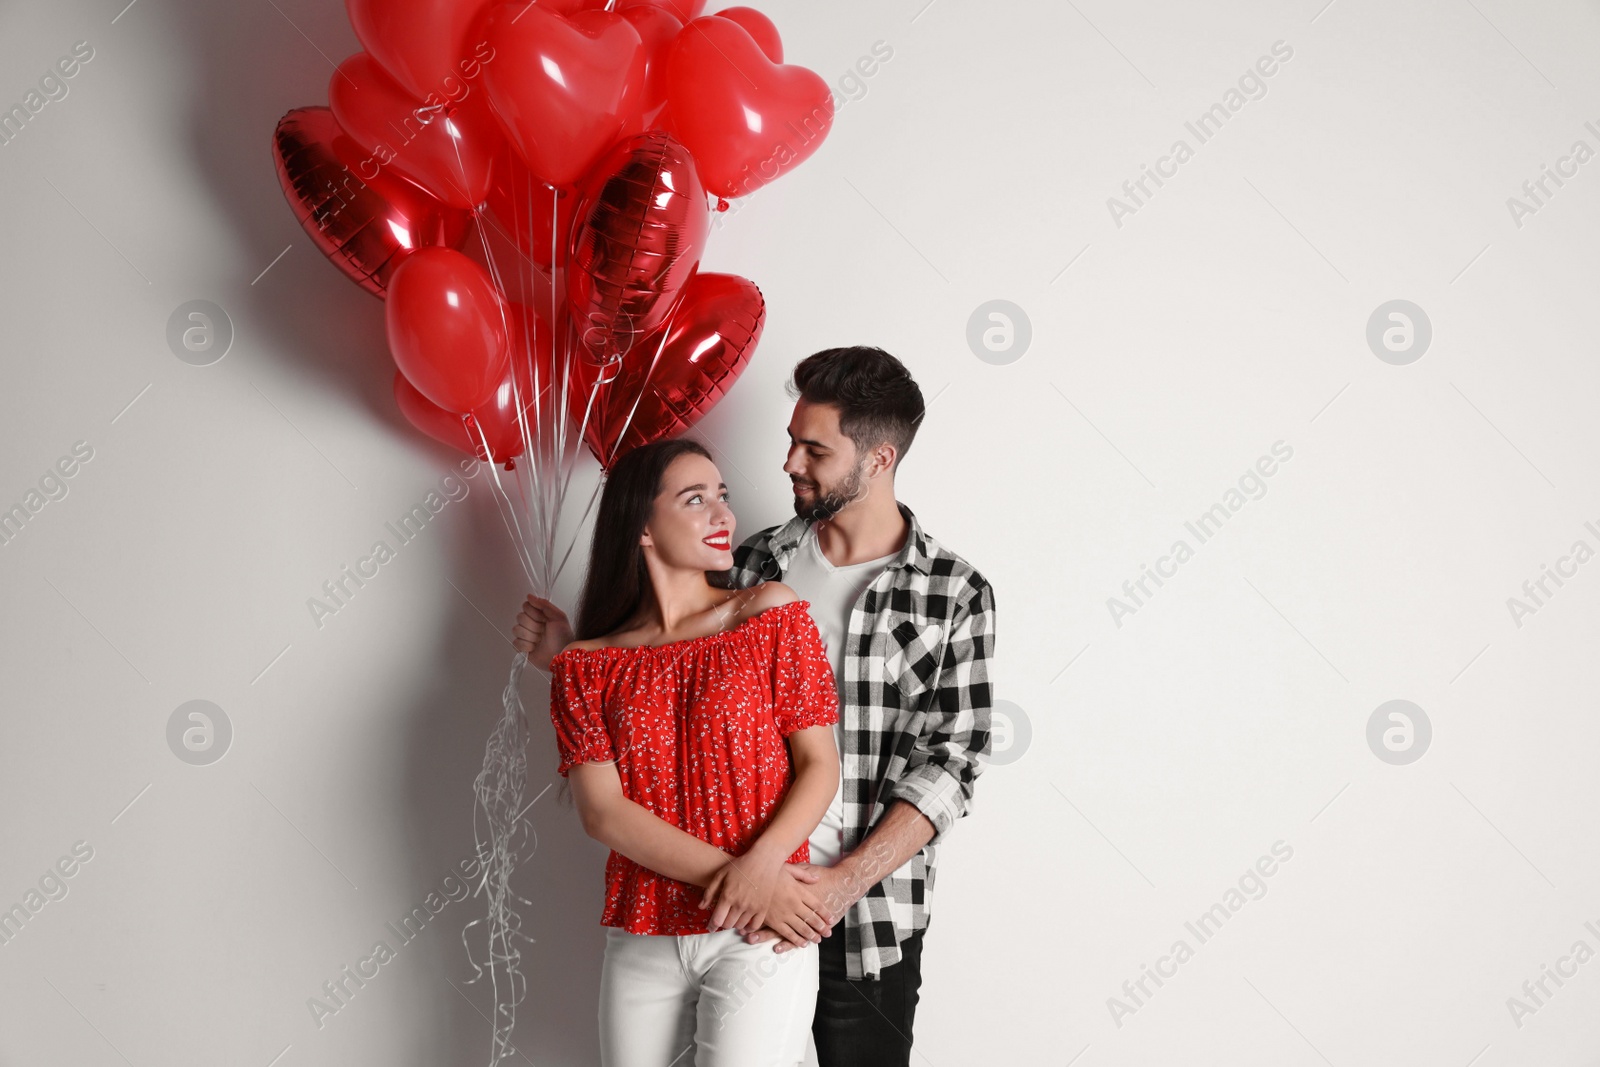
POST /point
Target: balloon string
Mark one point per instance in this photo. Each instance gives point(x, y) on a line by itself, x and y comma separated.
point(508, 515)
point(499, 785)
point(508, 511)
point(524, 405)
point(661, 346)
point(532, 520)
point(538, 574)
point(498, 789)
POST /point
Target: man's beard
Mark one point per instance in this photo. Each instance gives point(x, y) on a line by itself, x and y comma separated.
point(828, 504)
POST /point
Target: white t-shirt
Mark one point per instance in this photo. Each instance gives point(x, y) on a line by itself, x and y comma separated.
point(833, 592)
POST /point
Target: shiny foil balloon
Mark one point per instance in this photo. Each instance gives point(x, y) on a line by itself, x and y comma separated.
point(362, 217)
point(673, 377)
point(447, 327)
point(638, 233)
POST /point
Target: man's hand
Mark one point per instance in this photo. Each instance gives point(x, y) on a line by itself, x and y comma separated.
point(541, 630)
point(832, 895)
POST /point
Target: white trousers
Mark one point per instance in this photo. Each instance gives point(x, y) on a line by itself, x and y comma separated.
point(704, 1000)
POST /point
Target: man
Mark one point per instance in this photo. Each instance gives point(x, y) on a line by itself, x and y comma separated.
point(909, 626)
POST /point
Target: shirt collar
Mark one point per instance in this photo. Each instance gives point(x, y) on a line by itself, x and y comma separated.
point(914, 553)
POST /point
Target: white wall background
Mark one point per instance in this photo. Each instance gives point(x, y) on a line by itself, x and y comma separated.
point(1167, 754)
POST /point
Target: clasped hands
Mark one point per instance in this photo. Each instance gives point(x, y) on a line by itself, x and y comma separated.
point(763, 898)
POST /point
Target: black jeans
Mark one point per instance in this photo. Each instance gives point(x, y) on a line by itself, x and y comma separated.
point(866, 1022)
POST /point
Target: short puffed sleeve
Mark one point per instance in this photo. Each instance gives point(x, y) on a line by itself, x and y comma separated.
point(576, 713)
point(803, 691)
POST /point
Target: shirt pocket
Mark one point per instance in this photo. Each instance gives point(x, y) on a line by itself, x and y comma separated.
point(911, 660)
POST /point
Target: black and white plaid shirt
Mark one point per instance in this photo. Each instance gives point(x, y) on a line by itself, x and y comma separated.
point(915, 709)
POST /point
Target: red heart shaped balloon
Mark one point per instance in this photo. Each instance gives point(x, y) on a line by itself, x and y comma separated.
point(759, 27)
point(363, 218)
point(745, 119)
point(422, 42)
point(640, 227)
point(572, 7)
point(658, 27)
point(448, 150)
point(673, 377)
point(686, 10)
point(447, 328)
point(564, 89)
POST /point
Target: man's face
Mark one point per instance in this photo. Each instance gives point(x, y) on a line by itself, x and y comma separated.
point(823, 467)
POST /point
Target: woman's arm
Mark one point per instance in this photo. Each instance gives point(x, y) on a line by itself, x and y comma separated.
point(815, 758)
point(650, 841)
point(645, 838)
point(754, 890)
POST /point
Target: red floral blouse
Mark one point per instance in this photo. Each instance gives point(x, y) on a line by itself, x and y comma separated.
point(697, 730)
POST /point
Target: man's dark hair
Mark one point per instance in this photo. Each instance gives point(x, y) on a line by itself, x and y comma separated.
point(877, 398)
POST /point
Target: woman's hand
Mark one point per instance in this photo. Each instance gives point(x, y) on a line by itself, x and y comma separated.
point(739, 892)
point(791, 914)
point(809, 875)
point(541, 630)
point(787, 912)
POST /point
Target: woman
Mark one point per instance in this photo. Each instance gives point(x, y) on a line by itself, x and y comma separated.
point(671, 714)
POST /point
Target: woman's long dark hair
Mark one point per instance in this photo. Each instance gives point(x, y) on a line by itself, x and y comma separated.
point(617, 580)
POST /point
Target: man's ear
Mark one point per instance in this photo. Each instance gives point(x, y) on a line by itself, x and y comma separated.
point(883, 458)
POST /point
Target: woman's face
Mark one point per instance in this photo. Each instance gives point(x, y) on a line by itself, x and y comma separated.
point(691, 525)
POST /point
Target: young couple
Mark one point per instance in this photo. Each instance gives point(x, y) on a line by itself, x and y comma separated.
point(772, 739)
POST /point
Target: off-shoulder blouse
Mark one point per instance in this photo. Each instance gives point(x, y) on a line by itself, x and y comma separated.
point(697, 730)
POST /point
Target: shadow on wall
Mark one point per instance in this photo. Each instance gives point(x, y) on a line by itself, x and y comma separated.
point(254, 65)
point(255, 62)
point(445, 729)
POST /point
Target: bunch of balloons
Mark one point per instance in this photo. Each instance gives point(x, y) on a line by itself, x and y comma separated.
point(581, 142)
point(585, 136)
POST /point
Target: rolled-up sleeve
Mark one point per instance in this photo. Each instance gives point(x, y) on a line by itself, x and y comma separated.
point(576, 714)
point(949, 752)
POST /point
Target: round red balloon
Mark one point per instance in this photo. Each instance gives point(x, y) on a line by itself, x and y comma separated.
point(363, 218)
point(451, 428)
point(495, 424)
point(447, 328)
point(640, 228)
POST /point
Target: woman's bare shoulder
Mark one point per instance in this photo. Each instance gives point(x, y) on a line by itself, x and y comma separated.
point(769, 595)
point(589, 644)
